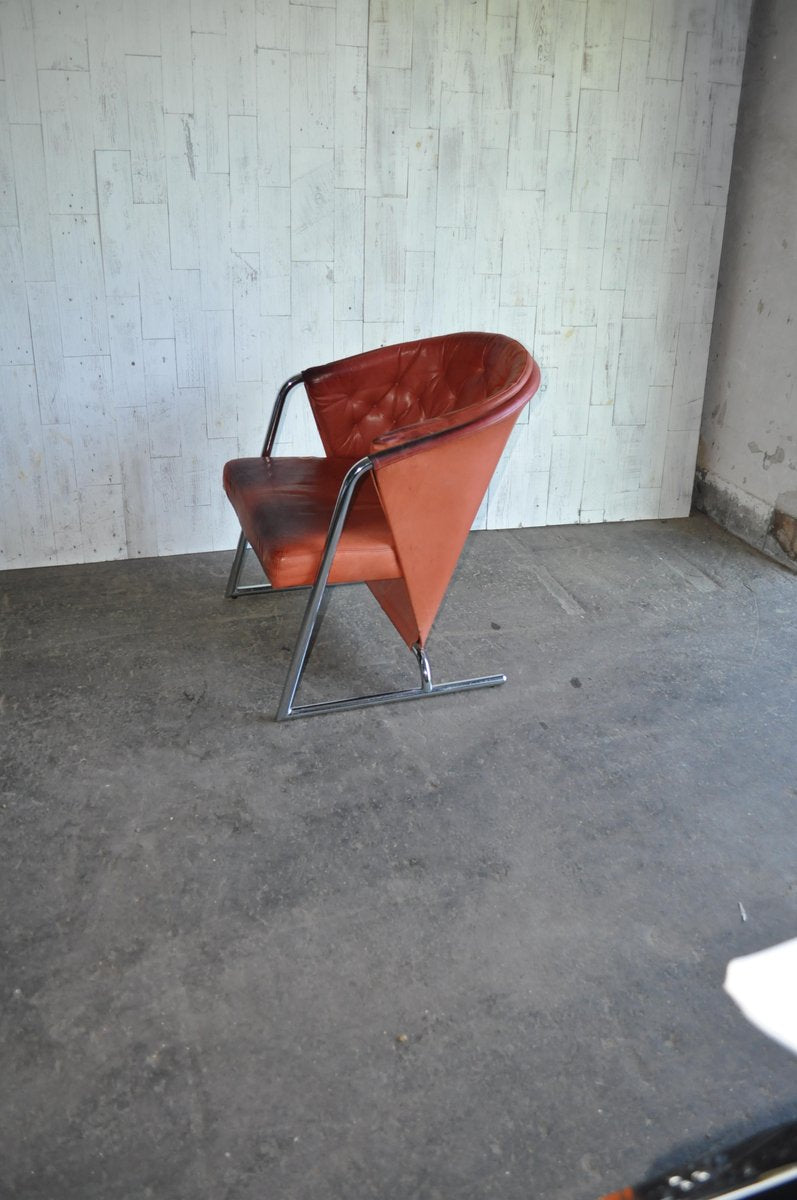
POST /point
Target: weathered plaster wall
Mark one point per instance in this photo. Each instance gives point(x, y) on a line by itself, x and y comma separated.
point(200, 197)
point(747, 477)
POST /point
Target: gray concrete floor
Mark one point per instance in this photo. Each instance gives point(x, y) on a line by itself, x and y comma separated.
point(466, 948)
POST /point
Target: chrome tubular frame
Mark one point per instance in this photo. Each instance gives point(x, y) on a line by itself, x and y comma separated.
point(288, 710)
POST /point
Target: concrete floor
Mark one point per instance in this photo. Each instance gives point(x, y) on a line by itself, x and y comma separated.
point(467, 948)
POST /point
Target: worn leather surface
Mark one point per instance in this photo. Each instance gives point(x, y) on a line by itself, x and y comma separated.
point(436, 415)
point(284, 506)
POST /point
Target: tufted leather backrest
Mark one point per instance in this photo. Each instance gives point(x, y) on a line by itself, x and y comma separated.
point(391, 395)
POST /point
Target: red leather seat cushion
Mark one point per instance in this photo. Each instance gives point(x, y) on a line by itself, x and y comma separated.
point(284, 506)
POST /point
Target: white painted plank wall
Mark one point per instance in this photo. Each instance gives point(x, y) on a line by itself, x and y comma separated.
point(199, 197)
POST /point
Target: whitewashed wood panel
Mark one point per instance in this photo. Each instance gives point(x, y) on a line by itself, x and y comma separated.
point(246, 316)
point(81, 284)
point(147, 151)
point(273, 24)
point(177, 57)
point(185, 198)
point(210, 102)
point(127, 352)
point(528, 135)
point(312, 179)
point(244, 198)
point(241, 58)
point(349, 117)
point(351, 22)
point(60, 36)
point(189, 328)
point(568, 60)
point(93, 426)
point(603, 44)
point(48, 353)
point(27, 517)
point(215, 255)
point(275, 251)
point(104, 22)
point(349, 235)
point(312, 204)
point(151, 223)
point(68, 128)
point(273, 120)
point(117, 229)
point(595, 140)
point(19, 62)
point(387, 132)
point(31, 191)
point(132, 435)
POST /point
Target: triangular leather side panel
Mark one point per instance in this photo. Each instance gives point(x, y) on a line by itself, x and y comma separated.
point(430, 500)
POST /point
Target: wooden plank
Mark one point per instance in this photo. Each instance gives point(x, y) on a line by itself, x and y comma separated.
point(349, 251)
point(312, 320)
point(422, 173)
point(241, 58)
point(215, 255)
point(160, 382)
point(518, 495)
point(491, 177)
point(464, 48)
point(634, 371)
point(219, 372)
point(16, 36)
point(312, 204)
point(24, 494)
point(349, 124)
point(312, 91)
point(60, 36)
point(105, 27)
point(127, 352)
point(183, 191)
point(383, 297)
point(536, 27)
point(177, 57)
point(668, 322)
point(132, 432)
point(624, 196)
point(8, 189)
point(607, 347)
point(600, 462)
point(459, 160)
point(603, 44)
point(644, 260)
point(312, 29)
point(550, 289)
point(62, 486)
point(585, 242)
point(462, 299)
point(594, 142)
point(273, 122)
point(679, 213)
point(419, 268)
point(558, 189)
point(94, 445)
point(630, 98)
point(573, 351)
point(34, 222)
point(199, 454)
point(273, 24)
point(387, 134)
point(690, 375)
point(142, 31)
point(566, 480)
point(151, 223)
point(81, 284)
point(528, 136)
point(657, 143)
point(189, 328)
point(715, 160)
point(568, 59)
point(147, 151)
point(729, 41)
point(275, 251)
point(351, 23)
point(427, 63)
point(348, 338)
point(117, 230)
point(638, 20)
point(390, 34)
point(692, 128)
point(207, 16)
point(667, 40)
point(246, 316)
point(48, 353)
point(68, 127)
point(244, 198)
point(678, 475)
point(520, 267)
point(210, 102)
point(499, 57)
